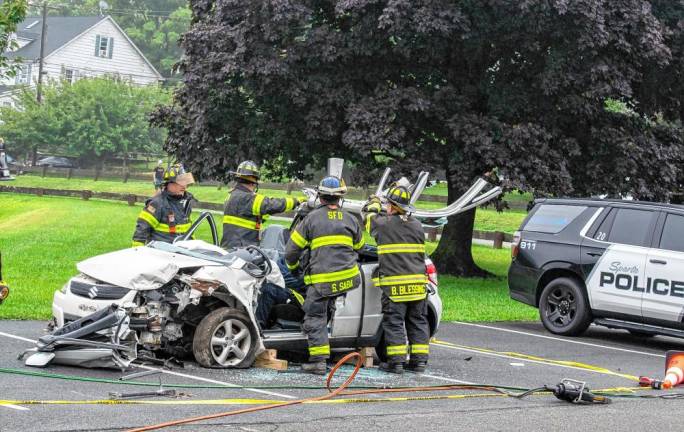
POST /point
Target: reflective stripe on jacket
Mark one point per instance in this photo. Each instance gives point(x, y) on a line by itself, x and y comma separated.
point(243, 215)
point(332, 237)
point(163, 218)
point(401, 256)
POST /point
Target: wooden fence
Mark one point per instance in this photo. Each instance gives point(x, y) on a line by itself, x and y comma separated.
point(125, 175)
point(432, 233)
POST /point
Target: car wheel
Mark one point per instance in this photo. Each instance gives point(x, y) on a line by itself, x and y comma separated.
point(225, 338)
point(563, 307)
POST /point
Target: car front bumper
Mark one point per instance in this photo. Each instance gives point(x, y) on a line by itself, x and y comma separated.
point(67, 306)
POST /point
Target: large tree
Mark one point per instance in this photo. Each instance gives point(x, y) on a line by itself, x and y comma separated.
point(517, 89)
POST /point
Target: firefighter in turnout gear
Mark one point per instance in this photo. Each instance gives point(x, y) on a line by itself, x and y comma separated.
point(332, 236)
point(245, 208)
point(158, 175)
point(402, 278)
point(167, 214)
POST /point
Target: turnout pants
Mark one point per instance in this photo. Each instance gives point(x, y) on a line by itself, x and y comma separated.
point(402, 321)
point(317, 310)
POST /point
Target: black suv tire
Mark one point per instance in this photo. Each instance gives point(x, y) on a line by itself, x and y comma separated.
point(563, 307)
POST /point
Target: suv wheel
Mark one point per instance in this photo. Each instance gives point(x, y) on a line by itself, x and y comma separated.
point(563, 307)
point(225, 338)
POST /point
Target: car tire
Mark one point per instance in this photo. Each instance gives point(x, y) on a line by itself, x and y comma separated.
point(225, 338)
point(563, 307)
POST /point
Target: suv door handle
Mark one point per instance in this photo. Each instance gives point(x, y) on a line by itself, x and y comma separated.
point(595, 254)
point(657, 261)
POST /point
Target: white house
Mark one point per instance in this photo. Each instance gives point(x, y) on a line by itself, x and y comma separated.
point(75, 47)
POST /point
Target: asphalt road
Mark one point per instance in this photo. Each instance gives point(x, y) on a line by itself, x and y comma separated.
point(481, 353)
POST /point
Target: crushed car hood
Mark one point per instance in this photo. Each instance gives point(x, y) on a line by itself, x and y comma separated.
point(141, 268)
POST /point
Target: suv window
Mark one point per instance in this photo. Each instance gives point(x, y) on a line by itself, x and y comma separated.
point(631, 227)
point(673, 233)
point(553, 218)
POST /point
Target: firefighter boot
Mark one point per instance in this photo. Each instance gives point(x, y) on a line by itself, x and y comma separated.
point(315, 368)
point(392, 367)
point(416, 366)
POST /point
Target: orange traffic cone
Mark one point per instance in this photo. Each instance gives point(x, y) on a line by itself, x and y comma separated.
point(674, 365)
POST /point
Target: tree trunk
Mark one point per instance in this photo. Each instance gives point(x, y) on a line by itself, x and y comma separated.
point(453, 255)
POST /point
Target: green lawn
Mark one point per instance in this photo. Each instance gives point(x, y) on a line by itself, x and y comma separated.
point(486, 219)
point(42, 239)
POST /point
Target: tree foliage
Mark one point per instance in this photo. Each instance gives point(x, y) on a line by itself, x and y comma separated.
point(12, 12)
point(92, 119)
point(516, 89)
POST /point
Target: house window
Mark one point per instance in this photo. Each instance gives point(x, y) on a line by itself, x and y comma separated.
point(7, 104)
point(70, 75)
point(23, 75)
point(104, 46)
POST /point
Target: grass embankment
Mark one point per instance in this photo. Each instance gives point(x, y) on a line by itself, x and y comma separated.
point(485, 219)
point(42, 239)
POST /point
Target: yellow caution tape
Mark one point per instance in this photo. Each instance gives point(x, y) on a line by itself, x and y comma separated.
point(238, 401)
point(143, 402)
point(276, 402)
point(539, 359)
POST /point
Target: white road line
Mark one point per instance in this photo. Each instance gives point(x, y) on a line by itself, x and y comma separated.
point(561, 339)
point(447, 379)
point(209, 380)
point(177, 373)
point(515, 358)
point(17, 337)
point(16, 407)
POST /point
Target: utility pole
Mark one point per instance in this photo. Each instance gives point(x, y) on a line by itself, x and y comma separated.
point(43, 35)
point(39, 86)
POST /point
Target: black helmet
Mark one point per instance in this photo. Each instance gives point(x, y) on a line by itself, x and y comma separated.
point(247, 170)
point(332, 186)
point(400, 197)
point(177, 174)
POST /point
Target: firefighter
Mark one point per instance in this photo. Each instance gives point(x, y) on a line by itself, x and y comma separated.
point(167, 214)
point(158, 176)
point(402, 278)
point(245, 208)
point(332, 236)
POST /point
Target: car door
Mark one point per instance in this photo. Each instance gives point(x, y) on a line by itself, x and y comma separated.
point(359, 307)
point(614, 260)
point(663, 299)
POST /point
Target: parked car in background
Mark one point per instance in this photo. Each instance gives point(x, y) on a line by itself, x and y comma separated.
point(56, 162)
point(15, 165)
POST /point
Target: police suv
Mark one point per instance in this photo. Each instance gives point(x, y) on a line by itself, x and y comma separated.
point(619, 264)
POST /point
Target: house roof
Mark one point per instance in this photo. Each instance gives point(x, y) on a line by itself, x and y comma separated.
point(60, 31)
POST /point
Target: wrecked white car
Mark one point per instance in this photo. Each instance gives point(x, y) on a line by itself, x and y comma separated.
point(192, 298)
